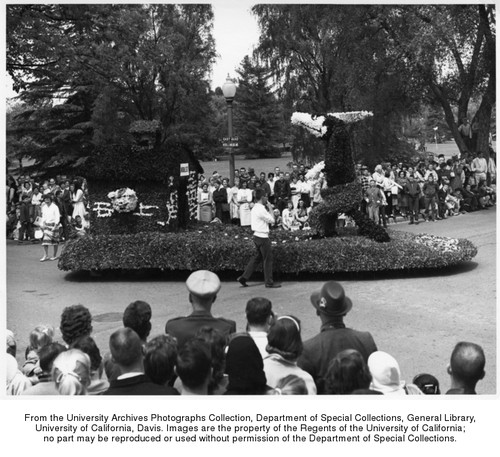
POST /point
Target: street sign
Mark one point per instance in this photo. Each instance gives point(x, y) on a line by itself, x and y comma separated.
point(230, 142)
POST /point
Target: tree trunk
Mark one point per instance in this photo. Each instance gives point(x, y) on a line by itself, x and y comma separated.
point(449, 117)
point(483, 117)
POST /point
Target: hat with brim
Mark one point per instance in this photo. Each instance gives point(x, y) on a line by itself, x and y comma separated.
point(203, 283)
point(331, 300)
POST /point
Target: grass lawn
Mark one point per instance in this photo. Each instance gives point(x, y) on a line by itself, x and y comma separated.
point(267, 165)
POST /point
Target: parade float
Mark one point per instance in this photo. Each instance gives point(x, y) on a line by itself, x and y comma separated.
point(124, 243)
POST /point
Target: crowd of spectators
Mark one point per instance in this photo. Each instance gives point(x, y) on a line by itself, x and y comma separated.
point(201, 354)
point(429, 190)
point(292, 194)
point(26, 198)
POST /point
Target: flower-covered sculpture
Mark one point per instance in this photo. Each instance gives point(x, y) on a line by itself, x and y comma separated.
point(316, 171)
point(343, 193)
point(124, 200)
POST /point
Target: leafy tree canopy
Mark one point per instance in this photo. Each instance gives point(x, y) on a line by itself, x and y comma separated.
point(390, 59)
point(132, 62)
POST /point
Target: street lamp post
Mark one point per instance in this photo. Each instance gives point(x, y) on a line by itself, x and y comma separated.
point(229, 91)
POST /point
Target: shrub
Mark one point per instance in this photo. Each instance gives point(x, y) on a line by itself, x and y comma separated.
point(218, 248)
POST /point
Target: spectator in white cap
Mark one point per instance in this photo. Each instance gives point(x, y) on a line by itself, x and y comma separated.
point(386, 376)
point(203, 287)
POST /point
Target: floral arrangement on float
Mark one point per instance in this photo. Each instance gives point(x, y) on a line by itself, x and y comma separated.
point(316, 171)
point(123, 200)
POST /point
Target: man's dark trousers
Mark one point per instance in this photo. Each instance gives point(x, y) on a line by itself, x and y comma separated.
point(413, 206)
point(264, 254)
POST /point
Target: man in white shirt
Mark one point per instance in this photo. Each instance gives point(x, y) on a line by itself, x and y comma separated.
point(261, 218)
point(260, 317)
point(479, 166)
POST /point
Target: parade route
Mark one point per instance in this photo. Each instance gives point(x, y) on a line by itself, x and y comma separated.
point(417, 318)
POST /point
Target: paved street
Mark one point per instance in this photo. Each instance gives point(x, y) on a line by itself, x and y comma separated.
point(416, 318)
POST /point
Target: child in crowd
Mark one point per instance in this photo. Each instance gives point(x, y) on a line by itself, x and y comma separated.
point(452, 203)
point(430, 189)
point(41, 336)
point(374, 199)
point(79, 227)
point(278, 221)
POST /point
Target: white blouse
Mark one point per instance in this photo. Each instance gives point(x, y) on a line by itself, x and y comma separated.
point(50, 214)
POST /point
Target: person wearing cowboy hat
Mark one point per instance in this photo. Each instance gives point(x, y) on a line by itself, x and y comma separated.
point(331, 306)
point(203, 286)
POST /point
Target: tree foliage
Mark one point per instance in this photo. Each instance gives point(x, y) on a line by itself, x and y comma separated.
point(450, 51)
point(133, 61)
point(390, 59)
point(329, 58)
point(258, 114)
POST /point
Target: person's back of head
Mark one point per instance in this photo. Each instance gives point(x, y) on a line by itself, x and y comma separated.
point(385, 372)
point(137, 316)
point(71, 372)
point(160, 355)
point(87, 344)
point(427, 383)
point(347, 372)
point(126, 349)
point(76, 321)
point(259, 193)
point(244, 366)
point(216, 341)
point(467, 364)
point(48, 354)
point(290, 385)
point(41, 336)
point(194, 365)
point(284, 338)
point(259, 312)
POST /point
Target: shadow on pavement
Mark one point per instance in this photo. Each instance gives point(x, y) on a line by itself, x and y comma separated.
point(226, 276)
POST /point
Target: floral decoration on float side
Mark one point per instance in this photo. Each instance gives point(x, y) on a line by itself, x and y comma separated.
point(123, 200)
point(316, 171)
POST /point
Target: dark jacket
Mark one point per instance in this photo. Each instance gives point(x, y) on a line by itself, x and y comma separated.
point(430, 189)
point(282, 189)
point(185, 328)
point(220, 195)
point(321, 349)
point(412, 189)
